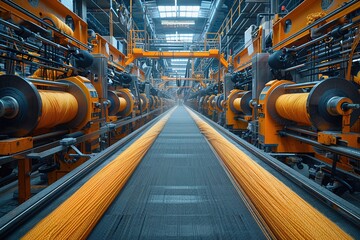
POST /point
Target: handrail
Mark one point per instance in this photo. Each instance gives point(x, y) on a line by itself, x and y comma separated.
point(235, 10)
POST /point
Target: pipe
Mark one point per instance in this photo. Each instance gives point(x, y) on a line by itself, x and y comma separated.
point(274, 5)
point(33, 16)
point(300, 130)
point(259, 15)
point(344, 151)
point(49, 135)
point(300, 85)
point(32, 34)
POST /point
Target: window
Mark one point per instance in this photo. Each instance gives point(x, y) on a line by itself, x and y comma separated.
point(179, 11)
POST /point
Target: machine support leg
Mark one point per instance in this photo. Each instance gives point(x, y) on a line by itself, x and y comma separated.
point(333, 167)
point(24, 186)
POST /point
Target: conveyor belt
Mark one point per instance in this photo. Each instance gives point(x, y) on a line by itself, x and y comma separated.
point(179, 190)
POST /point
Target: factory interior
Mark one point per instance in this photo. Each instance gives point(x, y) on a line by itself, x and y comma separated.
point(179, 119)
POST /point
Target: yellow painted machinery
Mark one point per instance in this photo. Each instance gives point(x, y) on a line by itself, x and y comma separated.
point(211, 105)
point(27, 110)
point(328, 106)
point(297, 96)
point(219, 103)
point(144, 103)
point(242, 87)
point(121, 102)
point(64, 92)
point(239, 109)
point(316, 109)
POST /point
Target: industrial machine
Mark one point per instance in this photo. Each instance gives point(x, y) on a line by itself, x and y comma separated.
point(294, 91)
point(65, 92)
point(73, 105)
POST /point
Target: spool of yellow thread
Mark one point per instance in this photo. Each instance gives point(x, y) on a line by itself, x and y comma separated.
point(237, 104)
point(59, 24)
point(293, 107)
point(57, 108)
point(123, 104)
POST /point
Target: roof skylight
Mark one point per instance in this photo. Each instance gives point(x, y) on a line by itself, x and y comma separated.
point(179, 11)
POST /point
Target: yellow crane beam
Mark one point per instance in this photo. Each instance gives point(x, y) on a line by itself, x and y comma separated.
point(168, 87)
point(140, 53)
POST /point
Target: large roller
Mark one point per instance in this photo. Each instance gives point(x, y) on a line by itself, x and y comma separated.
point(144, 102)
point(211, 104)
point(205, 103)
point(219, 102)
point(122, 102)
point(239, 102)
point(152, 102)
point(322, 108)
point(24, 108)
point(157, 102)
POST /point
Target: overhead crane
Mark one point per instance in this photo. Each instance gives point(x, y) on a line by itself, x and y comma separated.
point(141, 53)
point(165, 78)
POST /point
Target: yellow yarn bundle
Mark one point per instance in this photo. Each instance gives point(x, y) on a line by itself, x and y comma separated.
point(76, 217)
point(286, 214)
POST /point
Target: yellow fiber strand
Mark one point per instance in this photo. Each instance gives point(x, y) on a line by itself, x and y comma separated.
point(57, 108)
point(293, 107)
point(286, 214)
point(77, 216)
point(42, 73)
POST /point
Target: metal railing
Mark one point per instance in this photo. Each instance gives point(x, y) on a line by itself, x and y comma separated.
point(230, 18)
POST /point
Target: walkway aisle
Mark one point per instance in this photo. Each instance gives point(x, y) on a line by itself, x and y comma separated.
point(179, 191)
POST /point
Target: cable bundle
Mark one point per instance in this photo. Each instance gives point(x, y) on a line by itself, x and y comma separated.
point(286, 214)
point(76, 217)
